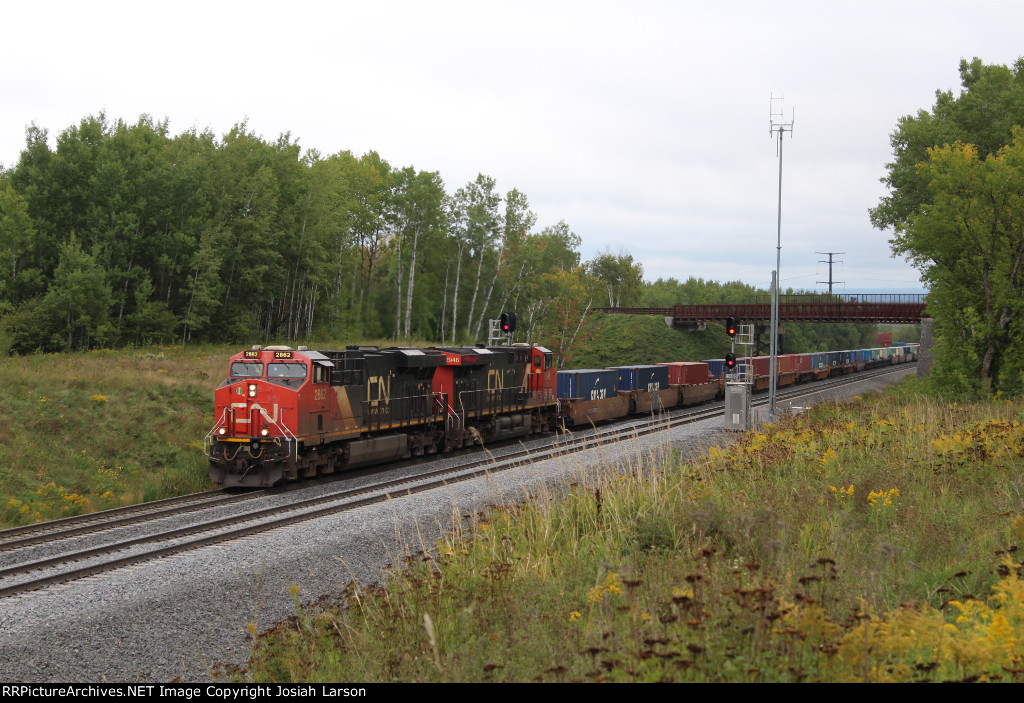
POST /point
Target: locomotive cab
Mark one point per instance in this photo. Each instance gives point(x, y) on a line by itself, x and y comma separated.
point(257, 413)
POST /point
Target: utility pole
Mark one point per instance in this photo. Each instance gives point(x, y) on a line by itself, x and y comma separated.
point(777, 126)
point(830, 254)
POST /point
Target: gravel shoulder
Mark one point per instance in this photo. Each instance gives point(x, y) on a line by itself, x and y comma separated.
point(181, 617)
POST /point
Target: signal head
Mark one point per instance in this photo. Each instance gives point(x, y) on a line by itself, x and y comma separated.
point(730, 326)
point(508, 322)
point(730, 361)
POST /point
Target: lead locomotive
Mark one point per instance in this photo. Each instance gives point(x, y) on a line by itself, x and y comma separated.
point(284, 413)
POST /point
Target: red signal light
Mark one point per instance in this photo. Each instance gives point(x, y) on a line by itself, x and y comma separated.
point(508, 322)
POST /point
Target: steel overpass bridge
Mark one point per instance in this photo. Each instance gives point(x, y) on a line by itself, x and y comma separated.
point(893, 308)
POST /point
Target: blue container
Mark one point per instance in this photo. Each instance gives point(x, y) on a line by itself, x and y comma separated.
point(642, 378)
point(820, 360)
point(589, 384)
point(715, 366)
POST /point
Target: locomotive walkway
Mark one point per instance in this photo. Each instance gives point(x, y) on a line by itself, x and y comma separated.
point(848, 307)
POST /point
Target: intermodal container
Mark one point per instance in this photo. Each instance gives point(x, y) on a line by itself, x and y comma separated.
point(803, 362)
point(642, 378)
point(819, 361)
point(715, 367)
point(687, 373)
point(788, 362)
point(589, 384)
point(762, 365)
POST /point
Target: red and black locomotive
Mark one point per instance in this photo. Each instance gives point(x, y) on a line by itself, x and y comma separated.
point(284, 413)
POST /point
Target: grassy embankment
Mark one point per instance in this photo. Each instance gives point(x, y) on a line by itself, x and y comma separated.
point(876, 541)
point(606, 340)
point(102, 429)
point(96, 430)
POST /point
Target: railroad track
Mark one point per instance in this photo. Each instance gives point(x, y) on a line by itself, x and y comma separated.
point(26, 566)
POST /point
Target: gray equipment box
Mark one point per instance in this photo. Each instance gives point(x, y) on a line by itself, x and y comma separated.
point(737, 405)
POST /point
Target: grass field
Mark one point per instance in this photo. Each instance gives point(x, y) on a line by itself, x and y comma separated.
point(95, 430)
point(874, 541)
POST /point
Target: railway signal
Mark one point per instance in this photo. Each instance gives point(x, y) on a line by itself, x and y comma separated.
point(730, 361)
point(730, 326)
point(508, 322)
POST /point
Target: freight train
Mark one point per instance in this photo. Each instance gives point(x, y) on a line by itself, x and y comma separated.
point(285, 413)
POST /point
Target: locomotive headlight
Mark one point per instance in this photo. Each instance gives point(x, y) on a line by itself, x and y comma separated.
point(264, 432)
point(252, 390)
point(222, 430)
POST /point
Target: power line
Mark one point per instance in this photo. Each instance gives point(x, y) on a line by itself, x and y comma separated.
point(830, 254)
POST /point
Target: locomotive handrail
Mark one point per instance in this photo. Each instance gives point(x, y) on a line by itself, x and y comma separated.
point(206, 439)
point(375, 420)
point(493, 399)
point(449, 413)
point(293, 441)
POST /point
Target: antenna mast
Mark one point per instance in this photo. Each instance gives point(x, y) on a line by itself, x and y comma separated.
point(777, 125)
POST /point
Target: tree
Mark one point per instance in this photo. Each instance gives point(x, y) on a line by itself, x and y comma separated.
point(991, 103)
point(419, 213)
point(622, 277)
point(477, 223)
point(18, 279)
point(968, 243)
point(954, 203)
point(568, 297)
point(78, 300)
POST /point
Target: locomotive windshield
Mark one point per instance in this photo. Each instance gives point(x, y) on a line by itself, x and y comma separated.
point(246, 369)
point(278, 370)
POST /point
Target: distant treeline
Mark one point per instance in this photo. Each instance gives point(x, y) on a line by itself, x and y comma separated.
point(126, 234)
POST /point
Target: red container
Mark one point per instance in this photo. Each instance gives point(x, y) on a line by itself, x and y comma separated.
point(787, 363)
point(762, 365)
point(803, 362)
point(687, 373)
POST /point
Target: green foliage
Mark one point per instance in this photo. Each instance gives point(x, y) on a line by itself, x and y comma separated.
point(246, 239)
point(969, 245)
point(802, 337)
point(696, 291)
point(196, 238)
point(78, 301)
point(621, 275)
point(983, 114)
point(956, 203)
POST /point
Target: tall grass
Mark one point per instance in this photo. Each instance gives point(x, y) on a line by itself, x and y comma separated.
point(874, 541)
point(94, 430)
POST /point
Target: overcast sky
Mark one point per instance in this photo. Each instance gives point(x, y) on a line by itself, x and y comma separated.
point(643, 125)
